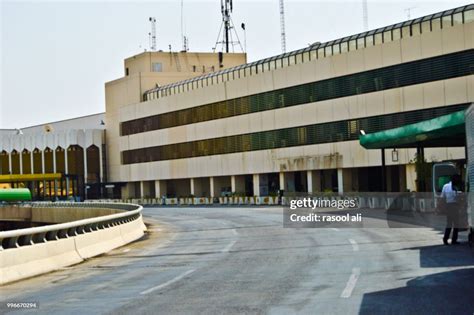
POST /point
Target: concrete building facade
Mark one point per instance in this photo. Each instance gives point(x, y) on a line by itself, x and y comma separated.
point(291, 122)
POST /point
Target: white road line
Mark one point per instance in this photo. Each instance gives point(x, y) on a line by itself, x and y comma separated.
point(335, 229)
point(167, 283)
point(355, 246)
point(351, 283)
point(228, 247)
point(235, 232)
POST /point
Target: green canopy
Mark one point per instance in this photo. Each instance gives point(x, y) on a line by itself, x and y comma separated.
point(444, 131)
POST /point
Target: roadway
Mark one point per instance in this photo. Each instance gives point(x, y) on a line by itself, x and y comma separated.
point(241, 260)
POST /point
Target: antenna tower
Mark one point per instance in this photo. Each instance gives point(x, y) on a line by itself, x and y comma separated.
point(365, 15)
point(282, 27)
point(152, 34)
point(227, 41)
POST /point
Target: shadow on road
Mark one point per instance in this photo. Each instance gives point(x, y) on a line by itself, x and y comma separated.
point(449, 292)
point(436, 256)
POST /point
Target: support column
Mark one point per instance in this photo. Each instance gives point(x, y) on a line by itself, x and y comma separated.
point(66, 171)
point(256, 185)
point(281, 176)
point(101, 165)
point(384, 177)
point(191, 188)
point(42, 162)
point(340, 180)
point(309, 179)
point(21, 162)
point(54, 171)
point(160, 188)
point(10, 167)
point(232, 184)
point(85, 165)
point(211, 185)
point(32, 166)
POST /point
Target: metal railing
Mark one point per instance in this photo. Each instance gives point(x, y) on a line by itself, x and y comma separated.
point(53, 232)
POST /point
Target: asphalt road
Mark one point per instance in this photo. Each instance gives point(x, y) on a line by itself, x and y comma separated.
point(241, 260)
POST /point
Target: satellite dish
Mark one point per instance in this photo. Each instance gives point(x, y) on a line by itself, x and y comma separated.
point(48, 128)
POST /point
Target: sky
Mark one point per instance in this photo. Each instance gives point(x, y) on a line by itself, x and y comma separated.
point(55, 56)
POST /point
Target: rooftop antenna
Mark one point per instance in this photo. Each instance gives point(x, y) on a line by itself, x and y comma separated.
point(365, 15)
point(282, 27)
point(152, 34)
point(408, 12)
point(183, 37)
point(227, 41)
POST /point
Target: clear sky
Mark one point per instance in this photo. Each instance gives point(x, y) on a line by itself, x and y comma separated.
point(55, 56)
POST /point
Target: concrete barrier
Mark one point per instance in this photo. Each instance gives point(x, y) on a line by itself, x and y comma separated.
point(29, 252)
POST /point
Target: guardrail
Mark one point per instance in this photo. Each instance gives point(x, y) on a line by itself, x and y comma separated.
point(53, 232)
point(33, 251)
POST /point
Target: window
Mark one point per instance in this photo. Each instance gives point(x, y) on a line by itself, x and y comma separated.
point(387, 36)
point(457, 18)
point(344, 47)
point(468, 16)
point(378, 38)
point(156, 67)
point(126, 71)
point(406, 31)
point(425, 27)
point(441, 67)
point(352, 45)
point(328, 51)
point(415, 29)
point(335, 131)
point(446, 21)
point(396, 34)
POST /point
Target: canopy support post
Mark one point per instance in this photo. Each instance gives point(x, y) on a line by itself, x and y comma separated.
point(384, 179)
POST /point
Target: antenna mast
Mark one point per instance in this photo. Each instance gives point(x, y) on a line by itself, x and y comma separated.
point(282, 27)
point(153, 33)
point(227, 41)
point(365, 15)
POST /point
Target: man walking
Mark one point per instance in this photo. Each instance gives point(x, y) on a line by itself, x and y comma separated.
point(449, 193)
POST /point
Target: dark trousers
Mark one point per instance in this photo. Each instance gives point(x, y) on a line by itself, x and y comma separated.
point(451, 224)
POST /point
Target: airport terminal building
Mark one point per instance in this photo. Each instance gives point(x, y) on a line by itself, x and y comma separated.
point(182, 124)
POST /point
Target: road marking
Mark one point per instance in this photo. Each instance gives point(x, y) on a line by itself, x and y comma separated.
point(355, 246)
point(335, 229)
point(235, 232)
point(228, 247)
point(167, 283)
point(351, 283)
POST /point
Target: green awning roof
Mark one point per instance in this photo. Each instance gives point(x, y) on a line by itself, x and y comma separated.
point(444, 131)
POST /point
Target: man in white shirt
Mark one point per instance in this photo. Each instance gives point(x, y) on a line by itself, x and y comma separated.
point(452, 212)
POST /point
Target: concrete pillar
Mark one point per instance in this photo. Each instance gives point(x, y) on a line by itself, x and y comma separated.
point(309, 179)
point(238, 183)
point(340, 180)
point(410, 172)
point(54, 171)
point(10, 162)
point(256, 185)
point(211, 185)
point(282, 181)
point(85, 165)
point(191, 184)
point(101, 166)
point(145, 189)
point(42, 162)
point(232, 184)
point(32, 167)
point(21, 162)
point(66, 171)
point(160, 188)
